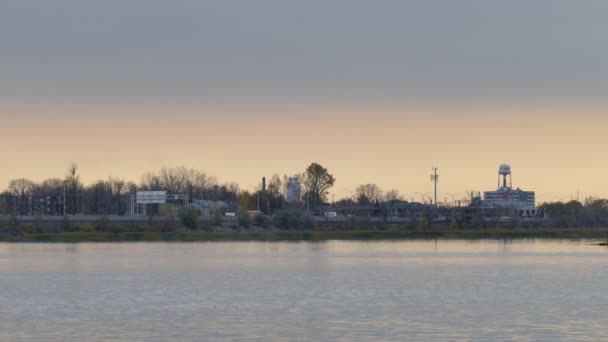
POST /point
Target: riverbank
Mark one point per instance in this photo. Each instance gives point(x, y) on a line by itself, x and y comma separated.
point(314, 235)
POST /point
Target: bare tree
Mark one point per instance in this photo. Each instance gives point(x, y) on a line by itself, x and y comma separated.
point(150, 181)
point(393, 195)
point(97, 198)
point(192, 182)
point(368, 193)
point(275, 197)
point(73, 186)
point(233, 188)
point(172, 179)
point(284, 182)
point(22, 187)
point(202, 182)
point(50, 187)
point(275, 186)
point(196, 182)
point(117, 187)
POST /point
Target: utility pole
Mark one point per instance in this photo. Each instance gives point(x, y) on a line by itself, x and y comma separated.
point(14, 197)
point(63, 200)
point(263, 194)
point(435, 180)
point(352, 202)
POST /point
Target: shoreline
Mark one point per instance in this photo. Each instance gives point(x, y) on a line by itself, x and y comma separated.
point(313, 235)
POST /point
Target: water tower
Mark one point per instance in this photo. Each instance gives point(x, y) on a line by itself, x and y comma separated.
point(504, 171)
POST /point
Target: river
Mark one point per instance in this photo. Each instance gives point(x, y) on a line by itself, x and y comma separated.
point(306, 291)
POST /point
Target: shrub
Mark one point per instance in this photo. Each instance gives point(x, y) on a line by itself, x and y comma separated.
point(116, 229)
point(293, 219)
point(85, 228)
point(243, 219)
point(11, 229)
point(103, 224)
point(167, 225)
point(29, 228)
point(206, 225)
point(217, 215)
point(13, 221)
point(67, 225)
point(261, 220)
point(150, 228)
point(189, 217)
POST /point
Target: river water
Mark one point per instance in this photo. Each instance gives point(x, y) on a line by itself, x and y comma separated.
point(283, 291)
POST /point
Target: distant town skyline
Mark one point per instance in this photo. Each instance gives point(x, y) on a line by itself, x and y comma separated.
point(391, 151)
point(376, 92)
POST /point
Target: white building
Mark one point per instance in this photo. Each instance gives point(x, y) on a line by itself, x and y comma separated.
point(156, 202)
point(509, 198)
point(293, 190)
point(505, 197)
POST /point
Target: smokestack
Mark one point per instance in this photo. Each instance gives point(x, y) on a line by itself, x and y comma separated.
point(263, 184)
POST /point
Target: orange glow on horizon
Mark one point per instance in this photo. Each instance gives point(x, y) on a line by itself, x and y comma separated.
point(554, 151)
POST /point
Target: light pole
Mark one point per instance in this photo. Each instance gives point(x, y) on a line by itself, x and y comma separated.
point(352, 202)
point(63, 200)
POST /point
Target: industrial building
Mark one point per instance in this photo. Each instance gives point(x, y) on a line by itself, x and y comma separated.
point(151, 203)
point(159, 203)
point(35, 205)
point(505, 197)
point(206, 208)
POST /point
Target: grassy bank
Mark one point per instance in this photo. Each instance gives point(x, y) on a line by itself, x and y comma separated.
point(393, 234)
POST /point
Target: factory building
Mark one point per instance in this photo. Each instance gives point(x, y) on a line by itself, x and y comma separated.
point(35, 205)
point(151, 203)
point(516, 198)
point(505, 197)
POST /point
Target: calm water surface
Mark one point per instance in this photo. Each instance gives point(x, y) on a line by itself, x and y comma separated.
point(414, 290)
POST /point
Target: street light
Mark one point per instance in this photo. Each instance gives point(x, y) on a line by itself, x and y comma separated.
point(63, 197)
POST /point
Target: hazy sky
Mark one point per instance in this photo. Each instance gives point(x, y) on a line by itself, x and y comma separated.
point(378, 91)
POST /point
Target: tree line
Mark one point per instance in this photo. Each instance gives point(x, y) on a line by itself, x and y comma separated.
point(112, 196)
point(592, 212)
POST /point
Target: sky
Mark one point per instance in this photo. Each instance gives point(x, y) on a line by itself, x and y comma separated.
point(376, 91)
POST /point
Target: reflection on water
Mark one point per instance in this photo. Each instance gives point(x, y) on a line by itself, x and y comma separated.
point(426, 290)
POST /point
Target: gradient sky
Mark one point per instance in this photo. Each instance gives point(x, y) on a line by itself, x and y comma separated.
point(377, 91)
